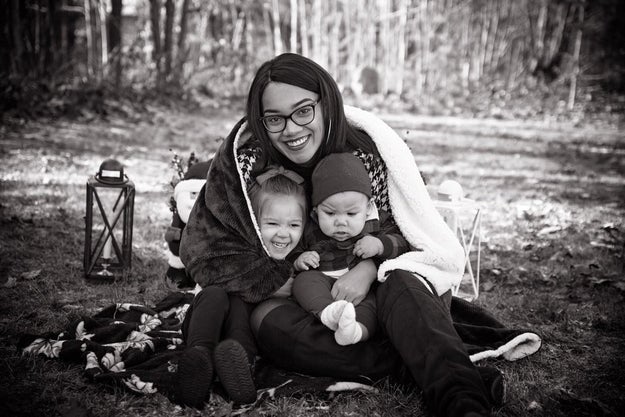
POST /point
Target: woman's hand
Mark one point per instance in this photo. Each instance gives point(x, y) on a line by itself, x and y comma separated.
point(354, 285)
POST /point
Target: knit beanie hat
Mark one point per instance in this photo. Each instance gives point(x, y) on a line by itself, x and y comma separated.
point(339, 172)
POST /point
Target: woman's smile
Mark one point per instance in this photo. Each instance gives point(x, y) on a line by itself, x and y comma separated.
point(297, 143)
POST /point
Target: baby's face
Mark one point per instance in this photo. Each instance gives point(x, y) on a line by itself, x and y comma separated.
point(342, 215)
point(281, 223)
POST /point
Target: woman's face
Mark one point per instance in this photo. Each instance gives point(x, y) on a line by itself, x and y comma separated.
point(298, 143)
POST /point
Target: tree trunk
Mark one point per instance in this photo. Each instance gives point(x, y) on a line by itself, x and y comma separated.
point(316, 31)
point(552, 47)
point(537, 33)
point(493, 34)
point(17, 61)
point(333, 39)
point(351, 41)
point(170, 12)
point(115, 40)
point(277, 35)
point(481, 58)
point(401, 47)
point(89, 38)
point(384, 39)
point(101, 25)
point(303, 22)
point(577, 47)
point(293, 39)
point(182, 53)
point(155, 23)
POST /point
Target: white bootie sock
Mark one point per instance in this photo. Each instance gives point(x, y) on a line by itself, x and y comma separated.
point(349, 331)
point(331, 315)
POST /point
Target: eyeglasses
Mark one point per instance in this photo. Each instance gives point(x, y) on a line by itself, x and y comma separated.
point(301, 117)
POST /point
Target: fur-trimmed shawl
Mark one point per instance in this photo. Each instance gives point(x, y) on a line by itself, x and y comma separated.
point(439, 256)
point(221, 244)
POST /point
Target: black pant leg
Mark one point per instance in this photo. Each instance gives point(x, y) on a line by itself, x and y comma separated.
point(418, 324)
point(237, 325)
point(295, 340)
point(204, 320)
point(366, 313)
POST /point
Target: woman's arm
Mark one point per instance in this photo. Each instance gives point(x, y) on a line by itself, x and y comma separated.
point(354, 285)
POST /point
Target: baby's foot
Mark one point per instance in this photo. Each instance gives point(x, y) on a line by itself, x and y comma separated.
point(349, 331)
point(332, 313)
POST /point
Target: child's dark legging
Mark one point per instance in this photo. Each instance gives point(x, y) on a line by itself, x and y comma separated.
point(214, 316)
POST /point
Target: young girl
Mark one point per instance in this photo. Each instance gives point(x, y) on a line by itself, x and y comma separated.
point(216, 328)
point(279, 202)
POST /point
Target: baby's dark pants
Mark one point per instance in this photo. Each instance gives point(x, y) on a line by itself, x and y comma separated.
point(313, 291)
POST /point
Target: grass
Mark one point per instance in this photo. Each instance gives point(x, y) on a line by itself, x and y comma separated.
point(552, 261)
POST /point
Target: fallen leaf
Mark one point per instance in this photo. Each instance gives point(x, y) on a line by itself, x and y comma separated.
point(534, 406)
point(488, 286)
point(599, 281)
point(31, 274)
point(548, 230)
point(11, 282)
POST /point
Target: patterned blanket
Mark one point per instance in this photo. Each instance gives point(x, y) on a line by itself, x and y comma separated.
point(138, 347)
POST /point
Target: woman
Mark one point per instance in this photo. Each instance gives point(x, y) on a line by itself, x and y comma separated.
point(295, 116)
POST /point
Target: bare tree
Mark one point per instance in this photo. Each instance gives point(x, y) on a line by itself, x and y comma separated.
point(155, 23)
point(277, 35)
point(170, 12)
point(16, 37)
point(115, 37)
point(182, 52)
point(293, 37)
point(89, 38)
point(303, 19)
point(576, 50)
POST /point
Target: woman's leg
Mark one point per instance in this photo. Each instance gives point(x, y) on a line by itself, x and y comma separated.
point(366, 313)
point(419, 326)
point(295, 340)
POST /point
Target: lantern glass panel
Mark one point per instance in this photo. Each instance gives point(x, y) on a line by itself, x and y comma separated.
point(108, 229)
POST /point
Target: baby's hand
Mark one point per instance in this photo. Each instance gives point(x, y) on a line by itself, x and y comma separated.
point(307, 260)
point(368, 247)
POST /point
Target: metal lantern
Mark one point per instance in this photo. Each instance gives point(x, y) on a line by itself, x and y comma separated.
point(108, 230)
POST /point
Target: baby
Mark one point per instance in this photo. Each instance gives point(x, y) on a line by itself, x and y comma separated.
point(346, 228)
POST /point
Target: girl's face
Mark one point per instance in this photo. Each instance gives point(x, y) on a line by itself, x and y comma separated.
point(343, 215)
point(281, 222)
point(298, 143)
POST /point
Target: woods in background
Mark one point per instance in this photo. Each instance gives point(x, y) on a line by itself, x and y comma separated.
point(408, 48)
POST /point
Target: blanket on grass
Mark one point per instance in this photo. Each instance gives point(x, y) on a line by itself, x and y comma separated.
point(138, 346)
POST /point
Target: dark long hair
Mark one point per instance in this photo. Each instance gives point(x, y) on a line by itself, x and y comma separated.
point(305, 73)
